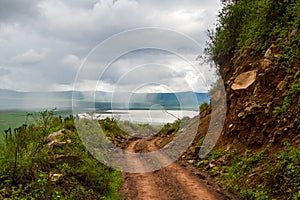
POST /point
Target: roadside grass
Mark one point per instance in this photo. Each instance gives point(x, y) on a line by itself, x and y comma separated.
point(256, 175)
point(28, 167)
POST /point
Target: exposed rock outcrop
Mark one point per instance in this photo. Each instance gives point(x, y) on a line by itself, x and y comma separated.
point(244, 80)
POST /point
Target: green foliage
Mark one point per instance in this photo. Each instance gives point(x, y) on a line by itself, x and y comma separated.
point(27, 165)
point(110, 127)
point(170, 128)
point(279, 175)
point(141, 129)
point(256, 24)
point(288, 99)
point(283, 177)
point(203, 106)
point(258, 194)
point(214, 155)
point(239, 167)
point(223, 40)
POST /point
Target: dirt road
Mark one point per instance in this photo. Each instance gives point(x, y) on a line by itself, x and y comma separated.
point(175, 181)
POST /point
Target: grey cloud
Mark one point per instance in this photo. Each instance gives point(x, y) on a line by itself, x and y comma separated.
point(144, 65)
point(171, 4)
point(91, 26)
point(4, 71)
point(73, 28)
point(31, 57)
point(15, 10)
point(85, 4)
point(142, 74)
point(24, 80)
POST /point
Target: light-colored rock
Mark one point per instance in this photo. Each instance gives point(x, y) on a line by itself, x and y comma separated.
point(276, 55)
point(53, 136)
point(248, 109)
point(241, 114)
point(255, 92)
point(267, 110)
point(211, 165)
point(55, 177)
point(281, 85)
point(244, 80)
point(269, 51)
point(265, 63)
point(55, 143)
point(294, 32)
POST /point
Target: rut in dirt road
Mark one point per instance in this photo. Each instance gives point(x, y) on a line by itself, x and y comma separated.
point(172, 182)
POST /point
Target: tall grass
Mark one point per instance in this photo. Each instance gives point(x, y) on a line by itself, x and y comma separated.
point(27, 166)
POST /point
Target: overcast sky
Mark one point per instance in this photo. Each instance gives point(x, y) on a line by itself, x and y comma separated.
point(50, 45)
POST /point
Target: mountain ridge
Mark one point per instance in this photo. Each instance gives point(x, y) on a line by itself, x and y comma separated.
point(10, 99)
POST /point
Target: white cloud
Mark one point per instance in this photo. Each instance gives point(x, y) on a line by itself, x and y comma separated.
point(31, 56)
point(72, 28)
point(107, 17)
point(24, 80)
point(72, 60)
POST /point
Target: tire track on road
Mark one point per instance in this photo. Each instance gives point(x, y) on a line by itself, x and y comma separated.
point(172, 182)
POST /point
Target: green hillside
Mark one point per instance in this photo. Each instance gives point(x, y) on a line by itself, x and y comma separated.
point(256, 49)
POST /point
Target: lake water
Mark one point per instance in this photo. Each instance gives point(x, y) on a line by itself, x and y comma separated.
point(143, 116)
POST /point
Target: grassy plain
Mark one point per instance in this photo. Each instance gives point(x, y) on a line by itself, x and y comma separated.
point(15, 118)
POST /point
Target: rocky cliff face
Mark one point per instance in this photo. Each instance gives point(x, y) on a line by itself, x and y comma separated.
point(257, 153)
point(262, 100)
point(256, 50)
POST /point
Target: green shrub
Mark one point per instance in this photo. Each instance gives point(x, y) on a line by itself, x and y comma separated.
point(258, 194)
point(26, 165)
point(288, 99)
point(279, 175)
point(256, 24)
point(203, 106)
point(283, 177)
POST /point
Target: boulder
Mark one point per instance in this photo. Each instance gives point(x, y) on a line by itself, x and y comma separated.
point(53, 136)
point(55, 143)
point(244, 80)
point(55, 140)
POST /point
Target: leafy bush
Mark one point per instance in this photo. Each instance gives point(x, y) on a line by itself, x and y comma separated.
point(283, 177)
point(258, 194)
point(27, 165)
point(292, 93)
point(203, 106)
point(278, 175)
point(170, 128)
point(110, 127)
point(256, 24)
point(239, 166)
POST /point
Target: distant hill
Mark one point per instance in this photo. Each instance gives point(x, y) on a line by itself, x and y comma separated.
point(11, 100)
